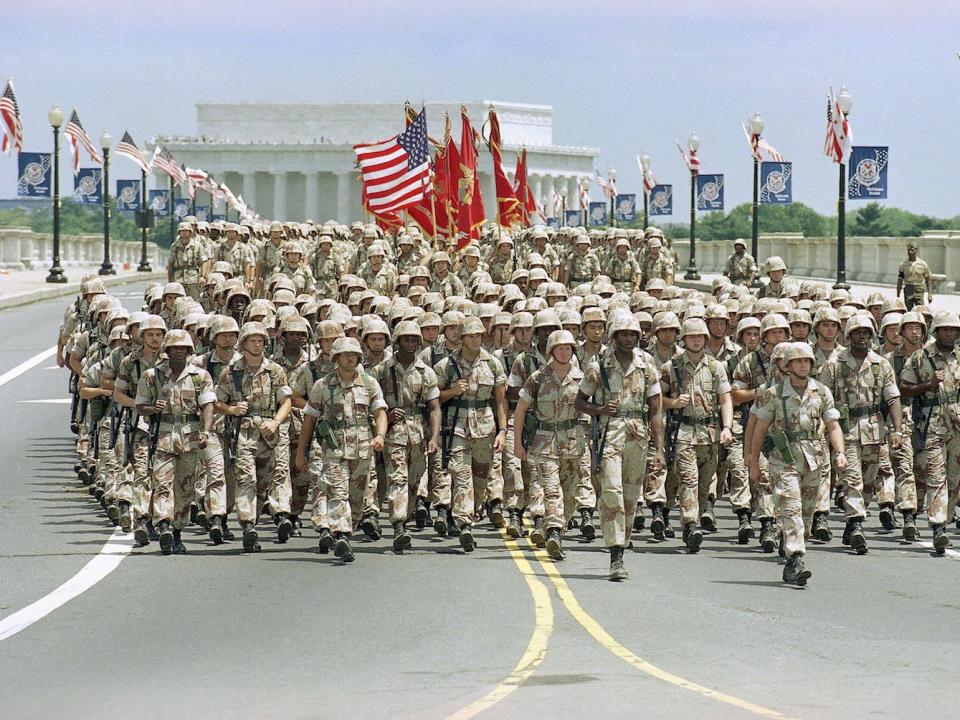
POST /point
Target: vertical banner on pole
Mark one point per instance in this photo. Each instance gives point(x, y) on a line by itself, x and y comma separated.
point(867, 173)
point(598, 214)
point(709, 192)
point(661, 200)
point(35, 174)
point(86, 186)
point(181, 208)
point(160, 202)
point(625, 207)
point(776, 183)
point(128, 195)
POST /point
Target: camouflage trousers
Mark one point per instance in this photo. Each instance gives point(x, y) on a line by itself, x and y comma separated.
point(884, 486)
point(621, 484)
point(173, 486)
point(220, 491)
point(560, 479)
point(655, 482)
point(795, 499)
point(262, 472)
point(863, 464)
point(316, 489)
point(376, 488)
point(516, 475)
point(405, 466)
point(904, 478)
point(141, 488)
point(438, 481)
point(827, 473)
point(346, 482)
point(696, 466)
point(495, 479)
point(108, 468)
point(741, 492)
point(585, 496)
point(470, 461)
point(940, 460)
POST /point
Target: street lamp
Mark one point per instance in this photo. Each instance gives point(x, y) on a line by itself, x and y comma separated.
point(563, 205)
point(545, 206)
point(55, 116)
point(645, 168)
point(143, 214)
point(612, 177)
point(756, 127)
point(845, 102)
point(693, 144)
point(585, 193)
point(107, 267)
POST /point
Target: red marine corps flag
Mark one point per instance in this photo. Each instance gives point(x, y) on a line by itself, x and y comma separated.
point(470, 211)
point(508, 208)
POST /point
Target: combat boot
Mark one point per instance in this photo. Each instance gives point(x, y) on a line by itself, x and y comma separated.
point(886, 516)
point(909, 526)
point(513, 523)
point(370, 526)
point(227, 532)
point(820, 530)
point(537, 534)
point(215, 530)
point(657, 525)
point(152, 531)
point(838, 494)
point(421, 514)
point(768, 535)
point(327, 541)
point(98, 495)
point(617, 571)
point(466, 538)
point(667, 527)
point(250, 538)
point(401, 538)
point(708, 520)
point(801, 574)
point(744, 528)
point(193, 514)
point(296, 524)
point(125, 519)
point(857, 539)
point(202, 517)
point(940, 540)
point(342, 548)
point(284, 527)
point(790, 571)
point(166, 537)
point(83, 476)
point(587, 529)
point(692, 537)
point(453, 530)
point(639, 520)
point(554, 544)
point(440, 522)
point(178, 547)
point(140, 534)
point(496, 514)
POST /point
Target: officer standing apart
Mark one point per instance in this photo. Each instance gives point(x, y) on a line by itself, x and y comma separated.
point(914, 277)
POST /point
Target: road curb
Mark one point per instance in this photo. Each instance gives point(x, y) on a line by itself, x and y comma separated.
point(72, 288)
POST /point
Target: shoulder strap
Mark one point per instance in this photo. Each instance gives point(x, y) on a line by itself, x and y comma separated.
point(237, 375)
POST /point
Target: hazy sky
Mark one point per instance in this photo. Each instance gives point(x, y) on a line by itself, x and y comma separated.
point(622, 76)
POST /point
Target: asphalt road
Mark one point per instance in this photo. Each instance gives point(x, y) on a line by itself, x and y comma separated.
point(502, 632)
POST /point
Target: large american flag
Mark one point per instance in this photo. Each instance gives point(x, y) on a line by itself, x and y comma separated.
point(10, 112)
point(164, 160)
point(839, 140)
point(396, 173)
point(78, 136)
point(128, 148)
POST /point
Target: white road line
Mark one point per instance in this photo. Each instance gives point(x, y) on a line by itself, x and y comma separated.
point(53, 367)
point(107, 560)
point(949, 553)
point(20, 369)
point(48, 401)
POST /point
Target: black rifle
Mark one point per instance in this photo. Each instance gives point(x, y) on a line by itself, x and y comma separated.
point(600, 437)
point(448, 429)
point(128, 432)
point(673, 420)
point(116, 419)
point(74, 387)
point(921, 427)
point(153, 439)
point(233, 431)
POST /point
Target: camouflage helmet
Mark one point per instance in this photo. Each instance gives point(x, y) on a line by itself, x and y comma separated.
point(375, 326)
point(745, 324)
point(740, 241)
point(521, 320)
point(890, 320)
point(558, 338)
point(622, 321)
point(250, 329)
point(471, 326)
point(893, 305)
point(152, 322)
point(826, 314)
point(451, 318)
point(774, 263)
point(546, 318)
point(222, 324)
point(569, 316)
point(859, 321)
point(329, 330)
point(118, 333)
point(693, 326)
point(779, 351)
point(798, 351)
point(716, 312)
point(174, 288)
point(345, 345)
point(177, 338)
point(656, 284)
point(295, 324)
point(502, 319)
point(406, 327)
point(666, 321)
point(592, 314)
point(912, 317)
point(428, 319)
point(772, 322)
point(799, 316)
point(941, 320)
point(136, 317)
point(92, 286)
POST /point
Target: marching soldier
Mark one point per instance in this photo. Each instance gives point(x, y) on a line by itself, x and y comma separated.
point(187, 260)
point(914, 278)
point(774, 268)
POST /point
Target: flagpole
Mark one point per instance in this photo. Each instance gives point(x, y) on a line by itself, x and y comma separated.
point(173, 219)
point(144, 215)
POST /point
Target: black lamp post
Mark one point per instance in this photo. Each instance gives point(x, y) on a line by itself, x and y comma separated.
point(756, 127)
point(107, 267)
point(144, 265)
point(693, 144)
point(55, 116)
point(563, 206)
point(645, 169)
point(846, 103)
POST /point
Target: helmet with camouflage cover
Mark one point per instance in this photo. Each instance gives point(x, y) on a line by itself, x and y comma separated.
point(558, 338)
point(501, 319)
point(592, 314)
point(177, 338)
point(521, 320)
point(92, 286)
point(329, 330)
point(826, 314)
point(912, 317)
point(693, 326)
point(345, 345)
point(451, 318)
point(860, 321)
point(375, 326)
point(774, 263)
point(745, 324)
point(798, 351)
point(799, 316)
point(136, 318)
point(294, 324)
point(250, 329)
point(656, 284)
point(471, 326)
point(174, 288)
point(569, 317)
point(622, 321)
point(943, 319)
point(222, 324)
point(152, 322)
point(407, 327)
point(666, 321)
point(772, 322)
point(874, 299)
point(546, 318)
point(118, 334)
point(428, 319)
point(893, 305)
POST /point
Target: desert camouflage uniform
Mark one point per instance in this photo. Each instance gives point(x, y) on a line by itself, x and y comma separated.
point(753, 372)
point(623, 272)
point(902, 458)
point(740, 270)
point(915, 274)
point(301, 382)
point(216, 485)
point(581, 268)
point(186, 261)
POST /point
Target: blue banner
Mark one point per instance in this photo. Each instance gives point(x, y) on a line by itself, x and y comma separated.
point(181, 208)
point(709, 192)
point(218, 216)
point(202, 213)
point(35, 174)
point(776, 183)
point(552, 222)
point(598, 214)
point(661, 200)
point(867, 173)
point(87, 186)
point(625, 207)
point(128, 195)
point(160, 202)
point(573, 218)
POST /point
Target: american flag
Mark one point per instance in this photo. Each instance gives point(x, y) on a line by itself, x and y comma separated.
point(648, 179)
point(557, 204)
point(128, 148)
point(228, 195)
point(164, 160)
point(691, 161)
point(757, 144)
point(607, 186)
point(396, 173)
point(195, 178)
point(584, 195)
point(839, 140)
point(10, 112)
point(78, 136)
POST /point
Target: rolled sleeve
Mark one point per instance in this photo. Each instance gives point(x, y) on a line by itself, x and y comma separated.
point(311, 410)
point(207, 397)
point(653, 390)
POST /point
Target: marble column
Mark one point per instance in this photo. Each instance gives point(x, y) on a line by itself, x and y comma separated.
point(280, 196)
point(312, 196)
point(573, 194)
point(250, 189)
point(344, 191)
point(547, 196)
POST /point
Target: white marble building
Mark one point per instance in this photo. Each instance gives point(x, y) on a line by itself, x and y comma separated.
point(295, 161)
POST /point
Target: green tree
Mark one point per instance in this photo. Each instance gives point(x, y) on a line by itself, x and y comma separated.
point(869, 221)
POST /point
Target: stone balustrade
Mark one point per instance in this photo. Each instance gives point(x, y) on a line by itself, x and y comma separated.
point(21, 248)
point(872, 260)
